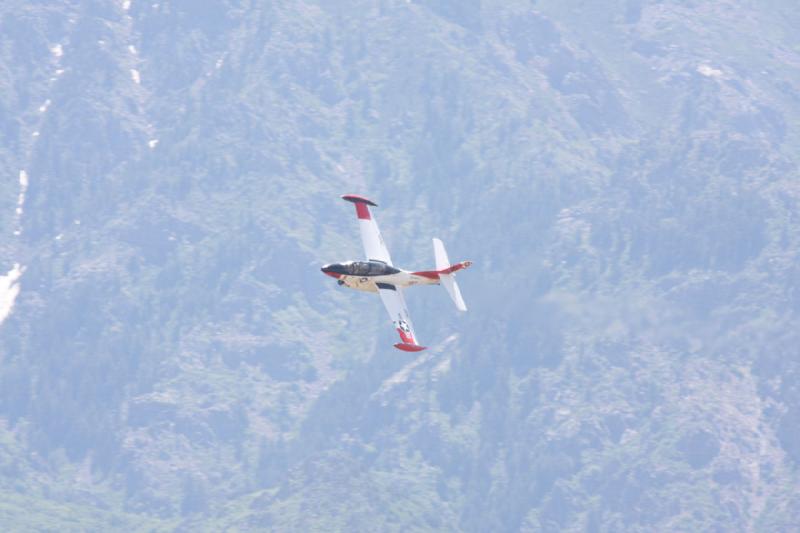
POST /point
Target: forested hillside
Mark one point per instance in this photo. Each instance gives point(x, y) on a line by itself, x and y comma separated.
point(624, 175)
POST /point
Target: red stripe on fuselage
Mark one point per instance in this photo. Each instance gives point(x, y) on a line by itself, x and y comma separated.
point(456, 267)
point(430, 274)
point(434, 274)
point(362, 211)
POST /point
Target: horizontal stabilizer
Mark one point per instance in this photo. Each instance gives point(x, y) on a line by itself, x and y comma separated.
point(439, 253)
point(449, 283)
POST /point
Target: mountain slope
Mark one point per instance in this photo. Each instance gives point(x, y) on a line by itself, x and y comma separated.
point(624, 179)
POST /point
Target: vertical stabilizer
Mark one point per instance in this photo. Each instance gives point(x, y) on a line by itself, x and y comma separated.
point(447, 280)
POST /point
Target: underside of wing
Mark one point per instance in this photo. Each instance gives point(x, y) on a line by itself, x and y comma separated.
point(374, 247)
point(395, 304)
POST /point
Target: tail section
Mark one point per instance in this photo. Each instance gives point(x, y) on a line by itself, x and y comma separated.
point(446, 273)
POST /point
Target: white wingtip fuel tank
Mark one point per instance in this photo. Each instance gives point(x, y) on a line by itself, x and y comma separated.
point(377, 274)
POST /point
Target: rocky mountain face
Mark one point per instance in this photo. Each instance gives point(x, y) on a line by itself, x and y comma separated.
point(624, 175)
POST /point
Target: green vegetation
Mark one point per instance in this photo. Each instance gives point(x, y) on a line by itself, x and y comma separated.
point(623, 175)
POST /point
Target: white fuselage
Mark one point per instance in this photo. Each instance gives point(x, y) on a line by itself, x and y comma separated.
point(404, 278)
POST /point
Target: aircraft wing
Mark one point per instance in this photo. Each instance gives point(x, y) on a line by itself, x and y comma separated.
point(374, 247)
point(395, 304)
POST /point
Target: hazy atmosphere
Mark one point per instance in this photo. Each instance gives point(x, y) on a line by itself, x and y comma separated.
point(623, 174)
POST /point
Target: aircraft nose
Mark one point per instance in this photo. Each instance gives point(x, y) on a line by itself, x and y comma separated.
point(330, 270)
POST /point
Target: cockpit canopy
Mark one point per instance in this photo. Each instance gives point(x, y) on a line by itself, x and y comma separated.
point(368, 268)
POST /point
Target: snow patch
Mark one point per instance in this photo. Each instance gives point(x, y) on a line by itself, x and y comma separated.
point(23, 188)
point(137, 79)
point(152, 143)
point(57, 50)
point(709, 71)
point(9, 289)
point(44, 106)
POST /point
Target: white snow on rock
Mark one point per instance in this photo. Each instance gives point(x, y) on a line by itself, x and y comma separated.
point(57, 50)
point(9, 289)
point(137, 79)
point(23, 188)
point(709, 71)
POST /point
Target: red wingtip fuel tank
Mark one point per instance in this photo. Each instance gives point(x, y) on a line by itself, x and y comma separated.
point(361, 203)
point(409, 347)
point(356, 199)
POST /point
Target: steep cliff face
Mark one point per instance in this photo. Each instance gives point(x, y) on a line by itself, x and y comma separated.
point(624, 177)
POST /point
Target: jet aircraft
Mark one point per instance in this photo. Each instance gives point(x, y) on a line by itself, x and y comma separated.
point(378, 274)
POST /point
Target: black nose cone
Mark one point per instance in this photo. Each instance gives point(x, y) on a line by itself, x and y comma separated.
point(333, 270)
